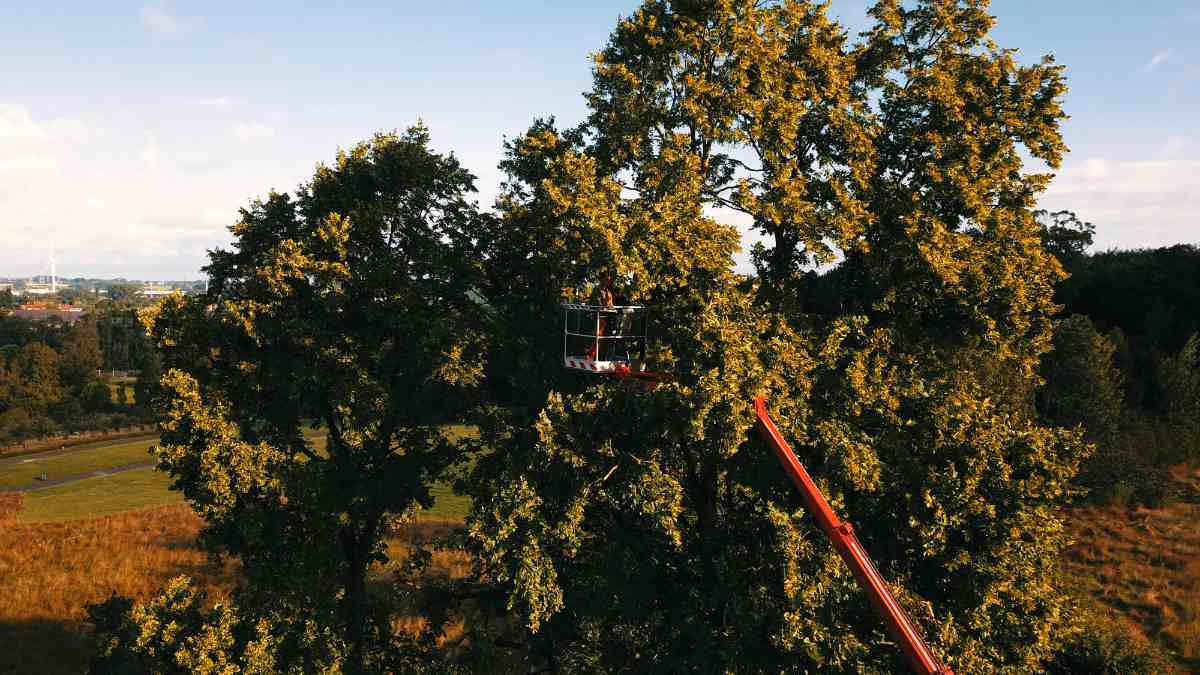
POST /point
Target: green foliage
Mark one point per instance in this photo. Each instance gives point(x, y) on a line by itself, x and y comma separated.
point(1152, 296)
point(1179, 379)
point(35, 369)
point(350, 304)
point(96, 396)
point(122, 340)
point(642, 529)
point(1065, 236)
point(175, 633)
point(80, 356)
point(1083, 386)
point(1102, 644)
point(146, 389)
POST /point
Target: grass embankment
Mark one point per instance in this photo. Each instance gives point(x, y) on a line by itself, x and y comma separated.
point(1145, 565)
point(82, 441)
point(75, 461)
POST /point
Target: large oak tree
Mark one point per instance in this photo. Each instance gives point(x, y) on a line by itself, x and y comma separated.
point(345, 308)
point(638, 530)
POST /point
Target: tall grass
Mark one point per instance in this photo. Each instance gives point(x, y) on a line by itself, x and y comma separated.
point(49, 571)
point(1144, 563)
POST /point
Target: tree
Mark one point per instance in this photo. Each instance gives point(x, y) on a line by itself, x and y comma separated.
point(349, 304)
point(15, 425)
point(642, 529)
point(175, 633)
point(1179, 379)
point(1065, 236)
point(35, 368)
point(7, 299)
point(1083, 385)
point(96, 396)
point(146, 388)
point(72, 296)
point(124, 293)
point(7, 384)
point(80, 357)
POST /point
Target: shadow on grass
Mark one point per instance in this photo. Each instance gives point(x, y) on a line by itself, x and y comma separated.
point(44, 646)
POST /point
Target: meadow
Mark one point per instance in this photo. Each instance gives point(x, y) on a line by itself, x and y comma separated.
point(68, 545)
point(65, 546)
point(1144, 564)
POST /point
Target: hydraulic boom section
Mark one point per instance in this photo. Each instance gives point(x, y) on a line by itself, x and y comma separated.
point(842, 536)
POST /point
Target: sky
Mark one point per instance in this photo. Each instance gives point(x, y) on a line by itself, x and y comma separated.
point(131, 133)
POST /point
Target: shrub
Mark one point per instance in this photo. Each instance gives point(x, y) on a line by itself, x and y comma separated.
point(1101, 644)
point(1129, 468)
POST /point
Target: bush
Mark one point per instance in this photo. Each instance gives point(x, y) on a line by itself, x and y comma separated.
point(1129, 467)
point(1101, 644)
point(96, 396)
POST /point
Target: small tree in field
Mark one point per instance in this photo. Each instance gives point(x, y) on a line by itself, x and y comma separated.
point(344, 308)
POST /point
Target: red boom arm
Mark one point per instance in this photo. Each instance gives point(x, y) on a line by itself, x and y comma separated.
point(842, 536)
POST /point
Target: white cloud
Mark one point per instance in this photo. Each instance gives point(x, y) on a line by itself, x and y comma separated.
point(120, 200)
point(249, 131)
point(162, 24)
point(28, 146)
point(1160, 57)
point(17, 126)
point(222, 102)
point(151, 155)
point(1152, 202)
point(1176, 147)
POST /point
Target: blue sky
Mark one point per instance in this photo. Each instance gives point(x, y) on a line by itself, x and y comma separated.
point(131, 133)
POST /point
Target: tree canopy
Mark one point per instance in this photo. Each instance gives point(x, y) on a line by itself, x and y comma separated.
point(644, 528)
point(340, 309)
point(628, 528)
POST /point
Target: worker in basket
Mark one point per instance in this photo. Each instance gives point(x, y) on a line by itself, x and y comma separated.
point(609, 324)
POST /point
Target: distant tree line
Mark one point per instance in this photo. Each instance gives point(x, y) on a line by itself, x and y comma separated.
point(50, 375)
point(1125, 366)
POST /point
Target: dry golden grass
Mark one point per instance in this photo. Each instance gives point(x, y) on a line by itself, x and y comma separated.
point(49, 571)
point(1145, 564)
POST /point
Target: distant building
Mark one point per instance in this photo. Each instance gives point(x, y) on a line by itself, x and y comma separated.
point(34, 288)
point(156, 290)
point(38, 313)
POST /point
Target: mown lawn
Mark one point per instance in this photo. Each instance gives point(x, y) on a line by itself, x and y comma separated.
point(144, 488)
point(139, 488)
point(24, 472)
point(100, 496)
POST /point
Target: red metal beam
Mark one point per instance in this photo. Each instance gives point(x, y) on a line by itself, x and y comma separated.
point(842, 536)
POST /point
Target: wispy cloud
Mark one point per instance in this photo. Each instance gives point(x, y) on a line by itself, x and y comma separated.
point(17, 125)
point(1160, 57)
point(222, 102)
point(162, 24)
point(151, 154)
point(249, 131)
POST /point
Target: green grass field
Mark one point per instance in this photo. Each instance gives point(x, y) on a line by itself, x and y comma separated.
point(137, 488)
point(23, 472)
point(101, 496)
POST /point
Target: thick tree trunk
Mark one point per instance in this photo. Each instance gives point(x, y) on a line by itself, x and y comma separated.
point(355, 602)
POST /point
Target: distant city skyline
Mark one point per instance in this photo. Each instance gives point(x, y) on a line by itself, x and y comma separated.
point(130, 134)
